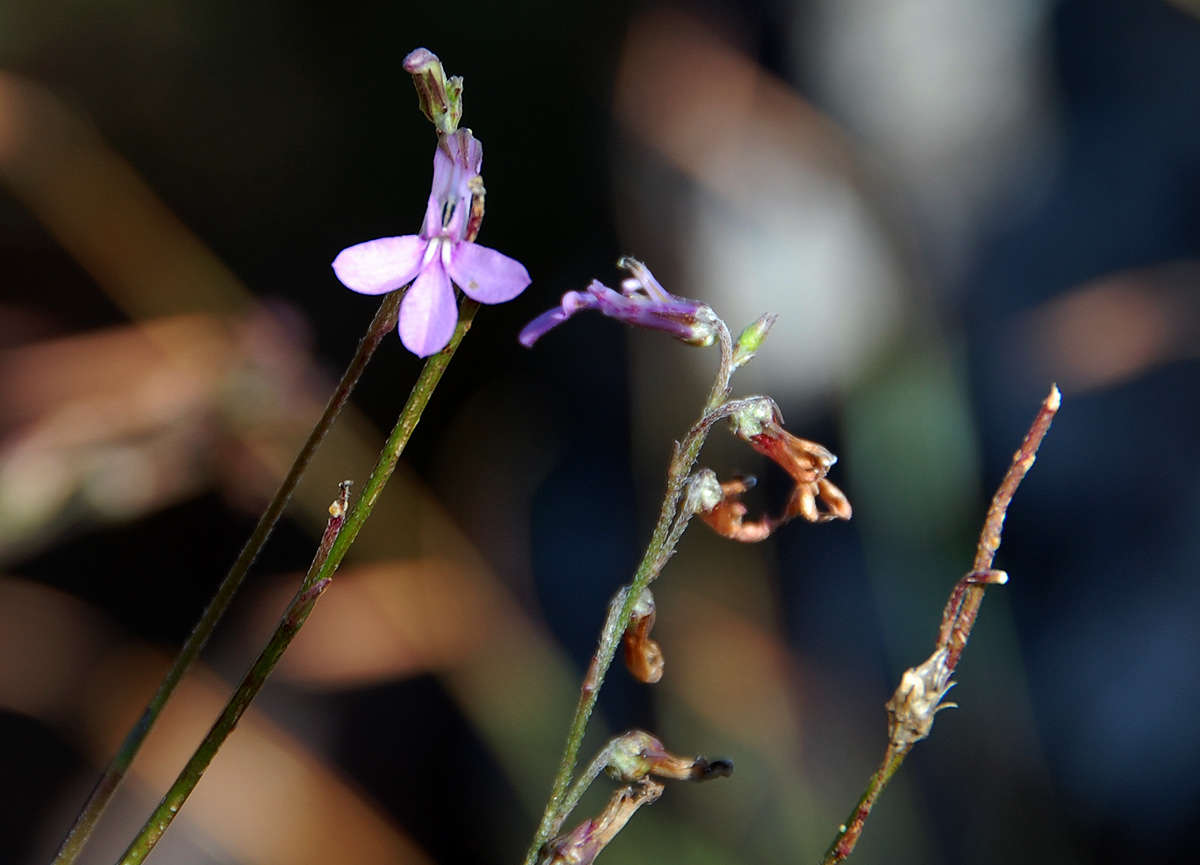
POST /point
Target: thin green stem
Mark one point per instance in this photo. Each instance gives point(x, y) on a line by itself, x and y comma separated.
point(584, 781)
point(314, 584)
point(848, 832)
point(115, 772)
point(721, 384)
point(293, 619)
point(658, 552)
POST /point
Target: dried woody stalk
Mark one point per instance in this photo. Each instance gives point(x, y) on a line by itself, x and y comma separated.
point(917, 700)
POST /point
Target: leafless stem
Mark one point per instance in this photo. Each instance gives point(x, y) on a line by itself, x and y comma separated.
point(912, 708)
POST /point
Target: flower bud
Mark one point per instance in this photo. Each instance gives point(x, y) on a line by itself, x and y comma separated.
point(751, 339)
point(440, 98)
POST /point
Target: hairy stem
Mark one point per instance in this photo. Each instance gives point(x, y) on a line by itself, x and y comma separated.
point(114, 773)
point(957, 622)
point(658, 552)
point(314, 584)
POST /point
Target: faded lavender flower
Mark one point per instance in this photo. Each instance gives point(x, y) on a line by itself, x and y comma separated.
point(441, 253)
point(642, 302)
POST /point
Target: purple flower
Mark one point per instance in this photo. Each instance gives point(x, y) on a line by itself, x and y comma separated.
point(441, 253)
point(641, 302)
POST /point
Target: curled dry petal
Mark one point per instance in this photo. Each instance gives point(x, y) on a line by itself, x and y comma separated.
point(806, 461)
point(805, 496)
point(643, 656)
point(728, 517)
point(814, 497)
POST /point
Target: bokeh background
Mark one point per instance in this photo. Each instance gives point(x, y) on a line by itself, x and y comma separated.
point(951, 203)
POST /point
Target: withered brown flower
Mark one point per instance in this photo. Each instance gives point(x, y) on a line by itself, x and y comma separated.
point(814, 497)
point(643, 656)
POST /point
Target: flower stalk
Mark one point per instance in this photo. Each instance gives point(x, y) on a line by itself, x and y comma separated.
point(114, 773)
point(643, 302)
point(629, 759)
point(672, 520)
point(315, 582)
point(453, 218)
point(918, 698)
point(302, 603)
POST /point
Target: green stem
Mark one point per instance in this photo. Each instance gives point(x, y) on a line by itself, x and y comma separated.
point(115, 772)
point(848, 832)
point(658, 552)
point(293, 619)
point(314, 583)
point(584, 781)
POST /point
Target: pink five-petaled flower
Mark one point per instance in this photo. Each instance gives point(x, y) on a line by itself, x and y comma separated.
point(642, 302)
point(439, 254)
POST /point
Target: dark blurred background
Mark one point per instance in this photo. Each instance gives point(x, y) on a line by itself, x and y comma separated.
point(951, 203)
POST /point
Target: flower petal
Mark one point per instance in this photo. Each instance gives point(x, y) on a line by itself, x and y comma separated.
point(572, 302)
point(428, 312)
point(538, 328)
point(486, 275)
point(380, 266)
point(465, 151)
point(456, 162)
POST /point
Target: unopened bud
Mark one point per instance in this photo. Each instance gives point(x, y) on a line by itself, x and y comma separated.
point(439, 97)
point(751, 339)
